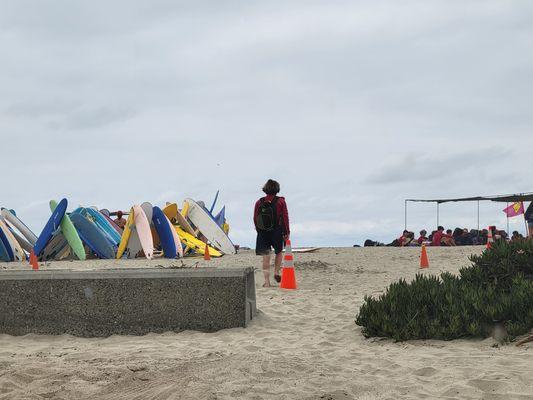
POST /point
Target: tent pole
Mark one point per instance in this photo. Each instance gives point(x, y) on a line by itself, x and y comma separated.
point(405, 215)
point(478, 219)
point(437, 214)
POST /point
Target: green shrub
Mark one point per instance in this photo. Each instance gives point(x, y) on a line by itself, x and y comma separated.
point(497, 287)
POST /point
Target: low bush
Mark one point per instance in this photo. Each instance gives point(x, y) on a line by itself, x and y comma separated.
point(496, 288)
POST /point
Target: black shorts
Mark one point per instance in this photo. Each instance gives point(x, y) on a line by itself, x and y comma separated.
point(267, 240)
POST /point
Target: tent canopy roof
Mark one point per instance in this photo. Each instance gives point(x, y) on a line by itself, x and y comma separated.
point(506, 198)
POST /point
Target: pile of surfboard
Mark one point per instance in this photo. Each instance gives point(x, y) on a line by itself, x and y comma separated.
point(87, 232)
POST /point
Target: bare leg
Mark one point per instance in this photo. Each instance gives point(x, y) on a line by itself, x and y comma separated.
point(277, 263)
point(266, 270)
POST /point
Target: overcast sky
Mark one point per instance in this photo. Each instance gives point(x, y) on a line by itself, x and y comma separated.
point(353, 106)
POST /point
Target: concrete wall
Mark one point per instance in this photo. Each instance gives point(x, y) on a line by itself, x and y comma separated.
point(125, 301)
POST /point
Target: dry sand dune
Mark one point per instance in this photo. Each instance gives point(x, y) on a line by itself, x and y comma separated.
point(303, 345)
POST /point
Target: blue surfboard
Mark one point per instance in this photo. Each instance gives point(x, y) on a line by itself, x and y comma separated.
point(51, 226)
point(221, 217)
point(214, 203)
point(165, 233)
point(101, 223)
point(92, 236)
point(4, 253)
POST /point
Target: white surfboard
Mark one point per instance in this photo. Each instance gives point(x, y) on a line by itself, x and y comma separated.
point(56, 249)
point(209, 228)
point(20, 226)
point(306, 250)
point(134, 246)
point(148, 211)
point(23, 242)
point(18, 252)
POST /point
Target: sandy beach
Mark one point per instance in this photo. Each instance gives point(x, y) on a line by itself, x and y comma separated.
point(303, 344)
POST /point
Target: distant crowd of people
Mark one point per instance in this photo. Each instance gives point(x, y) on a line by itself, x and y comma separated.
point(442, 237)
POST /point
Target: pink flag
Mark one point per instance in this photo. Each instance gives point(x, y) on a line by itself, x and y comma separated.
point(514, 209)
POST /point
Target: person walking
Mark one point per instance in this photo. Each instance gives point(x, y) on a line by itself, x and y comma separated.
point(271, 220)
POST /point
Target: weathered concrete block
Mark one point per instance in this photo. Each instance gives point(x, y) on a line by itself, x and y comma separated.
point(125, 301)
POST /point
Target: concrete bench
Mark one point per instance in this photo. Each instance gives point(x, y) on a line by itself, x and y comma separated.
point(125, 301)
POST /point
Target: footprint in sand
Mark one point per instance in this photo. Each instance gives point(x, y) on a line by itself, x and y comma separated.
point(489, 386)
point(426, 371)
point(336, 395)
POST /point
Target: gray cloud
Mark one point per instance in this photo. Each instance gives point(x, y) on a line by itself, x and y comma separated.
point(413, 168)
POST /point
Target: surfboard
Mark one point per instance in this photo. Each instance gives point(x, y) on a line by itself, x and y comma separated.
point(195, 244)
point(177, 241)
point(112, 223)
point(7, 245)
point(164, 230)
point(22, 241)
point(143, 231)
point(220, 218)
point(51, 226)
point(15, 221)
point(92, 236)
point(306, 250)
point(134, 247)
point(4, 255)
point(209, 228)
point(185, 209)
point(56, 247)
point(148, 210)
point(17, 250)
point(70, 233)
point(134, 244)
point(214, 203)
point(99, 220)
point(126, 235)
point(172, 212)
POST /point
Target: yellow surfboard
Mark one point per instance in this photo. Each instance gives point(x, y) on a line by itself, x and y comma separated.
point(125, 235)
point(195, 244)
point(173, 214)
point(185, 209)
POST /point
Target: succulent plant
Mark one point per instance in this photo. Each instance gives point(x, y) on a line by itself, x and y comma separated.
point(497, 289)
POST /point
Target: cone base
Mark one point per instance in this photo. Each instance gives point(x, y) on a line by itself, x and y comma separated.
point(288, 279)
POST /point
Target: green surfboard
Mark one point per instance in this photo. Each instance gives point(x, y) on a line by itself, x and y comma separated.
point(70, 233)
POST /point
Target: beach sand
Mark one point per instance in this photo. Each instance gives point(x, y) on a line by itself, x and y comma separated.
point(303, 344)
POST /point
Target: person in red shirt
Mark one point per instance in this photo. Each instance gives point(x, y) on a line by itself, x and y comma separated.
point(437, 236)
point(441, 238)
point(423, 237)
point(271, 220)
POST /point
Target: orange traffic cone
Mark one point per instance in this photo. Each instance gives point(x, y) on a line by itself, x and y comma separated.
point(288, 277)
point(490, 239)
point(207, 256)
point(424, 261)
point(33, 261)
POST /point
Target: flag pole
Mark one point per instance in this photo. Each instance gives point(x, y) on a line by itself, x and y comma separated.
point(525, 222)
point(507, 215)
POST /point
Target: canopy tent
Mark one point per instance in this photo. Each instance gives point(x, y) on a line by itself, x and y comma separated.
point(505, 198)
